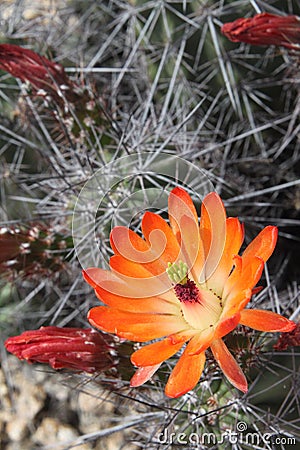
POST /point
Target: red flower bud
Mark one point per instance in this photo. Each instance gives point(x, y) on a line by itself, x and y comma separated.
point(265, 29)
point(49, 80)
point(44, 75)
point(64, 348)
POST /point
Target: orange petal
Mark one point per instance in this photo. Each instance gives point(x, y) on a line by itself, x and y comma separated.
point(128, 268)
point(97, 277)
point(130, 245)
point(226, 325)
point(246, 277)
point(180, 204)
point(154, 273)
point(200, 342)
point(237, 303)
point(213, 233)
point(158, 351)
point(140, 327)
point(126, 286)
point(160, 237)
point(229, 366)
point(132, 248)
point(192, 252)
point(233, 242)
point(146, 305)
point(185, 374)
point(266, 321)
point(211, 208)
point(142, 375)
point(263, 245)
point(234, 276)
point(94, 276)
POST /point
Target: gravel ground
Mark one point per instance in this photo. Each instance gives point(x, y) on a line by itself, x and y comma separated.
point(38, 410)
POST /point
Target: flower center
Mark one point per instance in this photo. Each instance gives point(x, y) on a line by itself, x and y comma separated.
point(187, 292)
point(200, 307)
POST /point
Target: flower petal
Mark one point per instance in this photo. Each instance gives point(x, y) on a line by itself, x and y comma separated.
point(263, 245)
point(213, 233)
point(132, 270)
point(158, 351)
point(249, 267)
point(191, 246)
point(94, 276)
point(233, 242)
point(265, 321)
point(185, 374)
point(131, 247)
point(244, 277)
point(184, 222)
point(236, 304)
point(140, 327)
point(128, 268)
point(145, 305)
point(143, 374)
point(180, 204)
point(160, 237)
point(226, 325)
point(107, 280)
point(126, 286)
point(200, 342)
point(228, 364)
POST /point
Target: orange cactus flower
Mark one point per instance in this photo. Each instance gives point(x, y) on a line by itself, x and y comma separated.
point(184, 283)
point(265, 29)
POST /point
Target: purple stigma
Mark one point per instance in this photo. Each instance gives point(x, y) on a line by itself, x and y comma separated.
point(187, 292)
